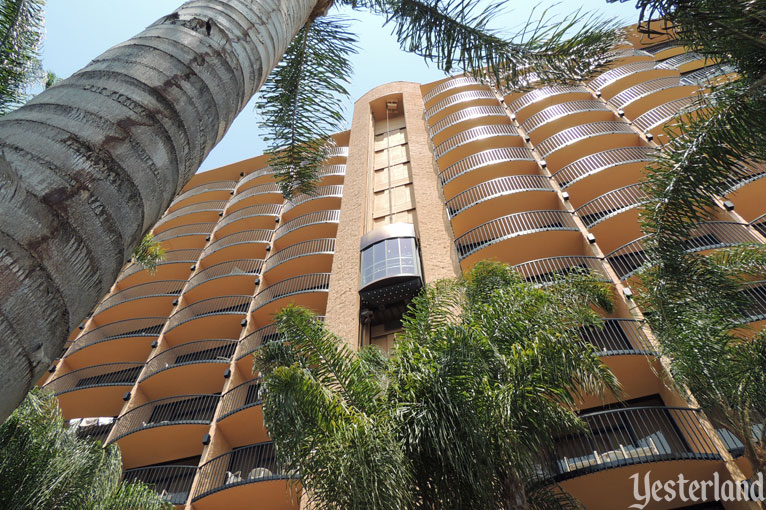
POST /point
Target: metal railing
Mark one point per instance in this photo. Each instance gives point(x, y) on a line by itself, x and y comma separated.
point(473, 112)
point(459, 81)
point(145, 327)
point(267, 170)
point(172, 483)
point(485, 158)
point(594, 163)
point(626, 53)
point(616, 337)
point(95, 429)
point(312, 218)
point(620, 72)
point(313, 282)
point(242, 396)
point(200, 351)
point(249, 464)
point(495, 188)
point(662, 113)
point(680, 60)
point(337, 152)
point(644, 89)
point(633, 435)
point(257, 338)
point(547, 270)
point(163, 288)
point(224, 269)
point(611, 203)
point(107, 374)
point(656, 49)
point(582, 132)
point(755, 293)
point(312, 247)
point(188, 255)
point(331, 170)
point(221, 305)
point(268, 188)
point(460, 97)
point(743, 175)
point(562, 110)
point(511, 226)
point(204, 188)
point(207, 206)
point(473, 134)
point(192, 229)
point(178, 410)
point(759, 224)
point(627, 259)
point(702, 77)
point(272, 210)
point(331, 191)
point(544, 93)
point(262, 235)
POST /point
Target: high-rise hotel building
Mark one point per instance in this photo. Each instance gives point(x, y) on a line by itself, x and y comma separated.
point(429, 180)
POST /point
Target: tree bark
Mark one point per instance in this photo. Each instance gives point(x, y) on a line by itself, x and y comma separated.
point(90, 164)
point(515, 495)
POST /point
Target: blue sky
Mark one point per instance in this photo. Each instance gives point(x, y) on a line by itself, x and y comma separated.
point(79, 30)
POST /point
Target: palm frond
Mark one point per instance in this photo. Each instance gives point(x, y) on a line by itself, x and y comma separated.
point(149, 253)
point(21, 30)
point(302, 102)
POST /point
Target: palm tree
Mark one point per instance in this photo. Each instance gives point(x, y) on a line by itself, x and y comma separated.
point(44, 465)
point(88, 166)
point(21, 30)
point(486, 371)
point(149, 253)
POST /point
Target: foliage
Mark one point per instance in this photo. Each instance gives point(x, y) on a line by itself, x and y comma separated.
point(149, 253)
point(486, 371)
point(21, 30)
point(44, 465)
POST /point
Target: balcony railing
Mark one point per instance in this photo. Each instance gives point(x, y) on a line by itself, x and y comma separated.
point(616, 337)
point(702, 77)
point(257, 338)
point(145, 327)
point(495, 188)
point(742, 175)
point(759, 224)
point(108, 374)
point(204, 188)
point(663, 113)
point(331, 170)
point(249, 464)
point(164, 288)
point(755, 294)
point(272, 210)
point(474, 112)
point(599, 161)
point(95, 429)
point(337, 152)
point(260, 189)
point(178, 410)
point(680, 60)
point(224, 269)
point(267, 170)
point(201, 351)
point(473, 134)
point(242, 237)
point(312, 247)
point(313, 218)
point(547, 270)
point(646, 88)
point(207, 206)
point(172, 483)
point(562, 110)
point(627, 53)
point(192, 229)
point(485, 158)
point(618, 73)
point(221, 305)
point(544, 93)
point(611, 203)
point(332, 191)
point(460, 97)
point(314, 282)
point(188, 256)
point(658, 48)
point(582, 132)
point(247, 394)
point(633, 435)
point(510, 226)
point(460, 81)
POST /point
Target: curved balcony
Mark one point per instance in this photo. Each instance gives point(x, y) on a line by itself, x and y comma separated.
point(250, 343)
point(534, 101)
point(308, 290)
point(471, 117)
point(655, 120)
point(459, 101)
point(474, 140)
point(579, 141)
point(239, 245)
point(261, 176)
point(620, 78)
point(240, 416)
point(709, 75)
point(627, 55)
point(664, 50)
point(746, 187)
point(685, 62)
point(164, 429)
point(234, 276)
point(561, 116)
point(255, 217)
point(172, 483)
point(323, 197)
point(316, 254)
point(218, 190)
point(237, 478)
point(755, 294)
point(139, 301)
point(165, 269)
point(196, 367)
point(640, 98)
point(133, 338)
point(261, 194)
point(217, 317)
point(617, 337)
point(185, 237)
point(545, 234)
point(200, 212)
point(450, 84)
point(485, 165)
point(93, 428)
point(611, 204)
point(335, 153)
point(759, 224)
point(515, 193)
point(315, 225)
point(547, 270)
point(95, 390)
point(332, 174)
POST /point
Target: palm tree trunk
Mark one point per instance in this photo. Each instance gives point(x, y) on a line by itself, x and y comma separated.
point(515, 494)
point(90, 164)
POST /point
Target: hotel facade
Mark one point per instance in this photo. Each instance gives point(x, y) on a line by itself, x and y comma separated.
point(429, 180)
